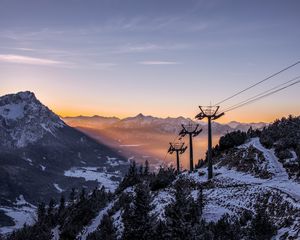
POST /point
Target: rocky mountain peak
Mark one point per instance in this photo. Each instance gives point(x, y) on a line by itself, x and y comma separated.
point(24, 119)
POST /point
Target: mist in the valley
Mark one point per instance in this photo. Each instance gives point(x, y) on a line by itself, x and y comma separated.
point(150, 145)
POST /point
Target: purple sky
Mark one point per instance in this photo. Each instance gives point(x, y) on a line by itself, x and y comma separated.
point(160, 58)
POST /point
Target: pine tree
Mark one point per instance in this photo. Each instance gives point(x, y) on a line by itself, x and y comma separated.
point(131, 177)
point(183, 215)
point(141, 169)
point(128, 218)
point(82, 195)
point(175, 220)
point(72, 195)
point(298, 158)
point(107, 229)
point(224, 229)
point(50, 211)
point(136, 218)
point(51, 206)
point(41, 211)
point(62, 203)
point(146, 169)
point(261, 227)
point(160, 231)
point(200, 200)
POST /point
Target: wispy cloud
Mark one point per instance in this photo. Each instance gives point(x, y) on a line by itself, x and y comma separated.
point(19, 49)
point(147, 47)
point(158, 63)
point(138, 48)
point(10, 58)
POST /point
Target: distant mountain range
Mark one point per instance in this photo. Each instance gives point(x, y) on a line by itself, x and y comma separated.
point(168, 125)
point(42, 157)
point(146, 137)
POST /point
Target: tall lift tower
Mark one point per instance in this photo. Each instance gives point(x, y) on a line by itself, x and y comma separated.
point(211, 113)
point(179, 148)
point(192, 130)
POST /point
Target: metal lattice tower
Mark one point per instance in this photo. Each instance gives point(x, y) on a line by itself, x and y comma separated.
point(179, 148)
point(192, 130)
point(209, 112)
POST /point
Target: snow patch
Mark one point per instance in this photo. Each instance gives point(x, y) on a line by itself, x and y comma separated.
point(28, 160)
point(118, 224)
point(55, 233)
point(57, 187)
point(213, 213)
point(12, 111)
point(42, 167)
point(47, 129)
point(22, 212)
point(92, 174)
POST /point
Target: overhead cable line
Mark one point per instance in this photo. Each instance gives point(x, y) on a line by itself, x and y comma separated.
point(254, 85)
point(263, 96)
point(262, 93)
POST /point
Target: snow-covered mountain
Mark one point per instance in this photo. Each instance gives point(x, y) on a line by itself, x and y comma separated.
point(24, 120)
point(166, 125)
point(41, 157)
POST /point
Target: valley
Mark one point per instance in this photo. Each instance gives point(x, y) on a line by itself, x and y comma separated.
point(143, 138)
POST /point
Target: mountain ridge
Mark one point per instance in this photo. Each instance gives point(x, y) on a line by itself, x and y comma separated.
point(41, 157)
point(171, 124)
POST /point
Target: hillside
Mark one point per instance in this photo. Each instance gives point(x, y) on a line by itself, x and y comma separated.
point(252, 196)
point(41, 157)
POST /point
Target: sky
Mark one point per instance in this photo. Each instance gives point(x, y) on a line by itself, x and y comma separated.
point(159, 57)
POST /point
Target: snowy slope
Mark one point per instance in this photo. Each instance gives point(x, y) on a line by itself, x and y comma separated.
point(94, 223)
point(21, 212)
point(230, 192)
point(233, 192)
point(280, 179)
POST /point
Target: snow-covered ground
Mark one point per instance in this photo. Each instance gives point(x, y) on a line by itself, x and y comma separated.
point(22, 212)
point(118, 223)
point(274, 165)
point(12, 111)
point(92, 174)
point(236, 191)
point(42, 167)
point(92, 227)
point(159, 203)
point(112, 161)
point(280, 179)
point(58, 188)
point(55, 233)
point(231, 193)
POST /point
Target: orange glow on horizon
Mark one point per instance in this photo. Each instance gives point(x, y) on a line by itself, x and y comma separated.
point(239, 117)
